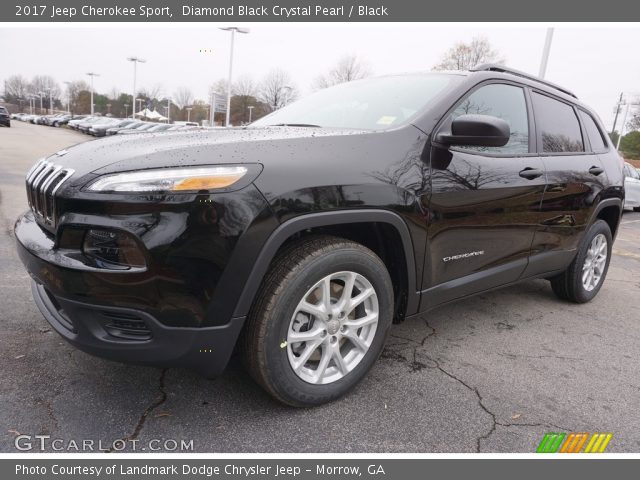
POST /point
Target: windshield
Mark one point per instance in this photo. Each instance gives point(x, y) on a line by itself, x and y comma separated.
point(371, 104)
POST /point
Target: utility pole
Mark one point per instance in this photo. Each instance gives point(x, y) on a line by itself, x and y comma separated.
point(615, 119)
point(624, 122)
point(545, 53)
point(92, 74)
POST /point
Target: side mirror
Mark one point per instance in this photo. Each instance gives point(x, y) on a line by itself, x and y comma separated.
point(476, 131)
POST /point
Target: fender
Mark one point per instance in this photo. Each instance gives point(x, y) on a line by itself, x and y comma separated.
point(607, 202)
point(323, 219)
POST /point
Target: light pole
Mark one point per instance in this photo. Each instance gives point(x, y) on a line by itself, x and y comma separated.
point(50, 100)
point(233, 31)
point(250, 107)
point(168, 110)
point(545, 53)
point(68, 96)
point(135, 61)
point(212, 110)
point(41, 94)
point(279, 99)
point(189, 114)
point(139, 100)
point(92, 74)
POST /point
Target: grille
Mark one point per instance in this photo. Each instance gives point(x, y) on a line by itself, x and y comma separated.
point(127, 326)
point(43, 181)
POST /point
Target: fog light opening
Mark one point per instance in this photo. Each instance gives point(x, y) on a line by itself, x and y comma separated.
point(113, 249)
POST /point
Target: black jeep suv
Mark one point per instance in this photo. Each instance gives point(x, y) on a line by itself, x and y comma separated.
point(300, 238)
point(5, 118)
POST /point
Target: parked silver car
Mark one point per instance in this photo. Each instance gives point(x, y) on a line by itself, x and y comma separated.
point(631, 187)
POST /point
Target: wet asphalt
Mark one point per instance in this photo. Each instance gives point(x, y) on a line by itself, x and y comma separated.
point(492, 373)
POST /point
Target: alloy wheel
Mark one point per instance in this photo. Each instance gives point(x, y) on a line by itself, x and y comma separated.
point(332, 327)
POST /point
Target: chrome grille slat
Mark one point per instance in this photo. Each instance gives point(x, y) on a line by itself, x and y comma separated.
point(43, 176)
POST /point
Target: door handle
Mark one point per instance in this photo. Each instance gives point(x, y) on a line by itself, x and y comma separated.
point(596, 170)
point(531, 173)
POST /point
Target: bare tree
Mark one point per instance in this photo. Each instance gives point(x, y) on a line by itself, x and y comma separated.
point(114, 93)
point(348, 68)
point(42, 83)
point(183, 97)
point(152, 93)
point(219, 87)
point(277, 89)
point(16, 87)
point(463, 56)
point(245, 87)
point(73, 91)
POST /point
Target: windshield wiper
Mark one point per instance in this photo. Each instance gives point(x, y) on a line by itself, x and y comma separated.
point(294, 125)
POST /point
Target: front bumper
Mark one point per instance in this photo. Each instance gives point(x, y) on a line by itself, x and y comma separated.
point(110, 332)
point(144, 317)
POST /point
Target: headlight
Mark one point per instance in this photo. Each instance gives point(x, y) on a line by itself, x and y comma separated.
point(169, 179)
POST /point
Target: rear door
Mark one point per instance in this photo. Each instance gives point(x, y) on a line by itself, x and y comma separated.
point(575, 179)
point(485, 201)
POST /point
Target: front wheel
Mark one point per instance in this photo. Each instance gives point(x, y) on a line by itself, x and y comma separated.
point(582, 280)
point(319, 322)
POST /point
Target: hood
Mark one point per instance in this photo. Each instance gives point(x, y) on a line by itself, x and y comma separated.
point(189, 147)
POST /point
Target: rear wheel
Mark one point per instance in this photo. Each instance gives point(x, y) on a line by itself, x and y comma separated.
point(319, 321)
point(583, 279)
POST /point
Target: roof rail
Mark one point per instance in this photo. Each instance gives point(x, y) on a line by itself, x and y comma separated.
point(494, 67)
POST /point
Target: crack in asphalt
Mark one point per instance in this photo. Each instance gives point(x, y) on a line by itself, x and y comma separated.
point(51, 414)
point(416, 366)
point(517, 355)
point(143, 418)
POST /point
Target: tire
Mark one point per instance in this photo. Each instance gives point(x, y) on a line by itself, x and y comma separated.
point(636, 209)
point(570, 285)
point(268, 347)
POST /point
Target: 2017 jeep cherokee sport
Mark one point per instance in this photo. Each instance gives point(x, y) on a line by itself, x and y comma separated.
point(301, 238)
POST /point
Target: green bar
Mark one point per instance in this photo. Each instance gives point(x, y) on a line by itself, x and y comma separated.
point(543, 443)
point(557, 443)
point(547, 447)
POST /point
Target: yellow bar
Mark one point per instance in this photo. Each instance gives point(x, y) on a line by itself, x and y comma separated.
point(594, 437)
point(605, 443)
point(569, 439)
point(598, 442)
point(581, 442)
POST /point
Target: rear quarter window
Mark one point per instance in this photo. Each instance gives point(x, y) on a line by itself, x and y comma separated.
point(596, 139)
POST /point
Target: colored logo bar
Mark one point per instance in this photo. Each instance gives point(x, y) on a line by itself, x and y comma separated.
point(574, 442)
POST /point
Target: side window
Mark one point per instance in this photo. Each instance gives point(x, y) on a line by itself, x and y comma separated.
point(557, 124)
point(593, 132)
point(503, 101)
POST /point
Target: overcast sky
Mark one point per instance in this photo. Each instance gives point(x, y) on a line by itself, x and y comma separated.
point(597, 63)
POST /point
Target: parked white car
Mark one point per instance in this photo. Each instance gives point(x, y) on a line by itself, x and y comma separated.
point(631, 187)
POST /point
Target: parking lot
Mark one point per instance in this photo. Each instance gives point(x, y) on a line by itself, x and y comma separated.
point(492, 373)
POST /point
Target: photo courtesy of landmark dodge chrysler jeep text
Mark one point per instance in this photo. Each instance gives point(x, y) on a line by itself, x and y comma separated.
point(299, 239)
